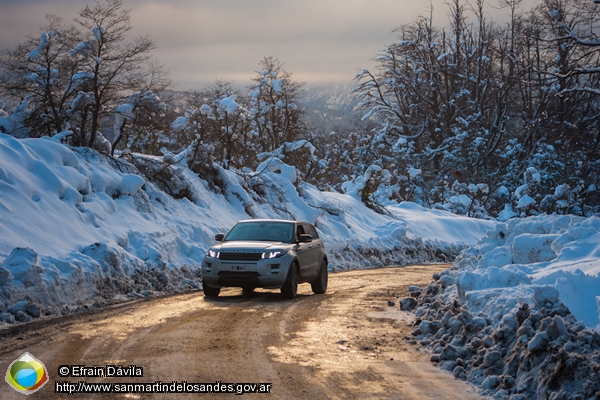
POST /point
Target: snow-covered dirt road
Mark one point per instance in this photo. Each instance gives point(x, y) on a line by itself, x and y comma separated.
point(347, 344)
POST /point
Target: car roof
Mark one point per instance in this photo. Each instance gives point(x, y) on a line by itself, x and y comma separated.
point(272, 220)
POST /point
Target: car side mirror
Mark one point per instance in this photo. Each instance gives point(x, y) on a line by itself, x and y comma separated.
point(304, 238)
point(219, 237)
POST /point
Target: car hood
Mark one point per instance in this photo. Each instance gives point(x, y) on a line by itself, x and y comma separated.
point(243, 245)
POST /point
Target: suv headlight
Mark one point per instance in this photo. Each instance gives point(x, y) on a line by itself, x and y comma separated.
point(273, 254)
point(213, 253)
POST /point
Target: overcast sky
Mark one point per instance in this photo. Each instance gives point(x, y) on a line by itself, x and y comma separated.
point(319, 41)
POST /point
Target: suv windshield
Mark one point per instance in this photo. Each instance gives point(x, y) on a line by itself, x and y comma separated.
point(262, 231)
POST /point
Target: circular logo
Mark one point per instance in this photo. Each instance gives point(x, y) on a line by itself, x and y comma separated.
point(26, 374)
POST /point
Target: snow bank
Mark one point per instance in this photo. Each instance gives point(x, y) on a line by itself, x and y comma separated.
point(518, 312)
point(76, 232)
point(440, 225)
point(562, 252)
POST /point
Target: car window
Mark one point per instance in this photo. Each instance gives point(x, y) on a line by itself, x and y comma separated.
point(262, 231)
point(310, 230)
point(299, 231)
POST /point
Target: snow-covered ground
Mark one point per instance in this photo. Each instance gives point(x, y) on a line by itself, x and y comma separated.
point(557, 257)
point(79, 230)
point(518, 313)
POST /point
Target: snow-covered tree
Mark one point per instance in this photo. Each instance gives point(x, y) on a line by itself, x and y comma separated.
point(140, 123)
point(218, 116)
point(276, 117)
point(477, 103)
point(110, 67)
point(437, 98)
point(74, 77)
point(41, 71)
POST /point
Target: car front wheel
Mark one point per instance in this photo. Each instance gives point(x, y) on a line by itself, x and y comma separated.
point(210, 291)
point(290, 287)
point(319, 285)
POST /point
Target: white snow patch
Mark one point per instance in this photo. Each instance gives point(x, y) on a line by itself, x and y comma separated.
point(525, 201)
point(228, 104)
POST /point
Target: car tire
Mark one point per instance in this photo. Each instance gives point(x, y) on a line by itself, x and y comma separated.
point(319, 285)
point(210, 291)
point(289, 289)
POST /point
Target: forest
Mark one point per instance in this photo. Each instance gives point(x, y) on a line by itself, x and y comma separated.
point(478, 118)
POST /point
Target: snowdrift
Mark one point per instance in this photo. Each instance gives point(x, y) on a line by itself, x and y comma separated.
point(517, 311)
point(78, 230)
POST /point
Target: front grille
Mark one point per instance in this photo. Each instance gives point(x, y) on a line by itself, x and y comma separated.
point(240, 256)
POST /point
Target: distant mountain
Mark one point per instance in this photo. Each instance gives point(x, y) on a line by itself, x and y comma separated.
point(329, 107)
point(333, 97)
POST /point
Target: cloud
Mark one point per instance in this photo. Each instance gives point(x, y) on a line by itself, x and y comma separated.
point(315, 39)
point(199, 40)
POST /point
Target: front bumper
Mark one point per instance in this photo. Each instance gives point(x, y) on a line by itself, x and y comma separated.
point(265, 273)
